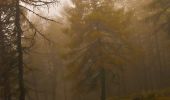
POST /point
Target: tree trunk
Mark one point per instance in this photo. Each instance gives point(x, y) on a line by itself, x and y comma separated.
point(3, 62)
point(103, 84)
point(20, 53)
point(7, 89)
point(159, 59)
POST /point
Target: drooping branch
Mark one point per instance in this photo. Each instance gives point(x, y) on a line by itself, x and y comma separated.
point(45, 18)
point(34, 28)
point(39, 3)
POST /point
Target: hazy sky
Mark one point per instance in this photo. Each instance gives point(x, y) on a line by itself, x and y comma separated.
point(52, 11)
point(55, 10)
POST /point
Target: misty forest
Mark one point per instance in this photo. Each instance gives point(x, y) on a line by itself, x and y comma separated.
point(84, 49)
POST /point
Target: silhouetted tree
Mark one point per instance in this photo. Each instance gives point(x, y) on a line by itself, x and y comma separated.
point(13, 17)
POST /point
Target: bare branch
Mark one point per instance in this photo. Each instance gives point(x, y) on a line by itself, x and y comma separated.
point(34, 28)
point(45, 18)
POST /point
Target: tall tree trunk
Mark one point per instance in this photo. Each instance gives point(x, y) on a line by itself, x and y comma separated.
point(159, 57)
point(64, 87)
point(3, 62)
point(54, 87)
point(144, 66)
point(35, 86)
point(103, 84)
point(20, 53)
point(7, 88)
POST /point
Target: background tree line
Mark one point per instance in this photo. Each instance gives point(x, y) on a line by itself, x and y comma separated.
point(99, 50)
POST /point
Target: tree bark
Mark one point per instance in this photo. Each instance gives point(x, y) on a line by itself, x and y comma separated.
point(103, 84)
point(20, 53)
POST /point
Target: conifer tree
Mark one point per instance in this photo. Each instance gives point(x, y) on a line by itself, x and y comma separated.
point(13, 17)
point(98, 44)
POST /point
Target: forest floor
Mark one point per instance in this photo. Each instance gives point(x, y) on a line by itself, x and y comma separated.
point(152, 95)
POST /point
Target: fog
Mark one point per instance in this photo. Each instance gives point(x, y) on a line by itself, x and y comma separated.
point(84, 50)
